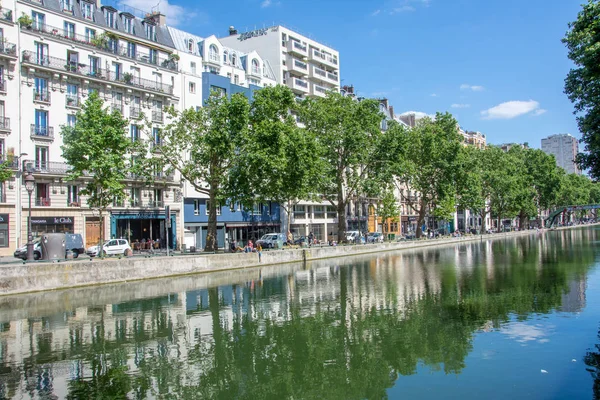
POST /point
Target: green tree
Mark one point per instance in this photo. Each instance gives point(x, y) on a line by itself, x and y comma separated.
point(431, 162)
point(97, 149)
point(582, 84)
point(346, 131)
point(277, 160)
point(388, 209)
point(201, 145)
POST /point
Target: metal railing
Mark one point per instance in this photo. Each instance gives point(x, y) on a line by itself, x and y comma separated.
point(333, 77)
point(73, 101)
point(39, 131)
point(8, 49)
point(43, 202)
point(117, 107)
point(109, 46)
point(5, 123)
point(301, 83)
point(157, 116)
point(42, 96)
point(299, 46)
point(98, 73)
point(322, 56)
point(300, 64)
point(46, 167)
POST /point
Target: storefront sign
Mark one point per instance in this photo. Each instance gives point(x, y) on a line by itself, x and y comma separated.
point(51, 220)
point(251, 34)
point(3, 218)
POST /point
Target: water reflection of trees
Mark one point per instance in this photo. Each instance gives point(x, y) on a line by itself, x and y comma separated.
point(385, 319)
point(592, 360)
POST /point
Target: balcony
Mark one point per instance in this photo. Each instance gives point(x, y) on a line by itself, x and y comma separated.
point(43, 202)
point(42, 132)
point(3, 86)
point(319, 91)
point(107, 46)
point(157, 116)
point(293, 46)
point(297, 66)
point(57, 64)
point(255, 72)
point(316, 55)
point(8, 49)
point(135, 112)
point(6, 14)
point(298, 85)
point(117, 107)
point(4, 124)
point(41, 96)
point(46, 167)
point(154, 204)
point(73, 203)
point(73, 101)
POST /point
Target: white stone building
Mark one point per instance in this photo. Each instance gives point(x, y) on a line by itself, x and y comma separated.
point(564, 148)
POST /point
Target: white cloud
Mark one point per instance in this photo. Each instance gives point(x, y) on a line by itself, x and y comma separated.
point(404, 8)
point(522, 332)
point(175, 14)
point(539, 112)
point(375, 13)
point(417, 114)
point(265, 3)
point(460, 105)
point(474, 88)
point(379, 94)
point(433, 95)
point(512, 109)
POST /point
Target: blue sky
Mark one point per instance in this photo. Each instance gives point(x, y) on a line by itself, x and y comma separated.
point(498, 66)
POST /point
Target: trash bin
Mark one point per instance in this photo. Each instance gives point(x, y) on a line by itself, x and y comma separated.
point(53, 246)
point(183, 248)
point(192, 249)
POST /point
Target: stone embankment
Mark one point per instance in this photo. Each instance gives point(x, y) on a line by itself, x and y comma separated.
point(34, 277)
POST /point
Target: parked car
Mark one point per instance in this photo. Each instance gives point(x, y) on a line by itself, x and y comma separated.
point(21, 252)
point(299, 240)
point(269, 241)
point(354, 237)
point(111, 247)
point(73, 243)
point(375, 237)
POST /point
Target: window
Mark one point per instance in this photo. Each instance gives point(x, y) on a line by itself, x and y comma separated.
point(72, 91)
point(135, 132)
point(190, 45)
point(233, 59)
point(153, 56)
point(73, 60)
point(71, 120)
point(255, 67)
point(217, 91)
point(192, 87)
point(94, 65)
point(87, 10)
point(41, 158)
point(42, 194)
point(135, 195)
point(69, 30)
point(41, 123)
point(41, 89)
point(236, 79)
point(131, 50)
point(127, 25)
point(208, 206)
point(213, 53)
point(39, 20)
point(156, 136)
point(150, 32)
point(2, 149)
point(158, 197)
point(193, 68)
point(229, 75)
point(89, 34)
point(319, 211)
point(110, 18)
point(72, 195)
point(118, 69)
point(225, 57)
point(41, 53)
point(196, 207)
point(67, 5)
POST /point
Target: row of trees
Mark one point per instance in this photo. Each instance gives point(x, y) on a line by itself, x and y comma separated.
point(274, 148)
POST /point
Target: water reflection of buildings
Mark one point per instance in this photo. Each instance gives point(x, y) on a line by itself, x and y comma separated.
point(47, 353)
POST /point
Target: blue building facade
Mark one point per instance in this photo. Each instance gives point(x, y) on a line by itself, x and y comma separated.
point(223, 84)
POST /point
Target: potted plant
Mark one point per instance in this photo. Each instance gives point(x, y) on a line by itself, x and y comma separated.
point(127, 77)
point(111, 36)
point(174, 57)
point(25, 21)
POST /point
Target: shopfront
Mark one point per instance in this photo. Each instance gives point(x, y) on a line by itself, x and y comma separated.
point(143, 226)
point(4, 230)
point(41, 225)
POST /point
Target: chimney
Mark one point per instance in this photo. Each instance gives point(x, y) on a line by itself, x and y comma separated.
point(158, 18)
point(348, 89)
point(384, 101)
point(232, 31)
point(392, 111)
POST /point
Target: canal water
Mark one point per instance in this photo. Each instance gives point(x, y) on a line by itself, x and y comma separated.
point(511, 318)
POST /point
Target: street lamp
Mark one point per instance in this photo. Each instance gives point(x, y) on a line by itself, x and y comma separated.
point(29, 186)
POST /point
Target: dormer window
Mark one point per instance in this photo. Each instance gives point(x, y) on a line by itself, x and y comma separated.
point(110, 18)
point(225, 57)
point(233, 59)
point(190, 45)
point(150, 32)
point(87, 10)
point(255, 66)
point(128, 24)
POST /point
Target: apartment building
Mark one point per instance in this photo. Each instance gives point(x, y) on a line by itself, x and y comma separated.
point(50, 64)
point(564, 148)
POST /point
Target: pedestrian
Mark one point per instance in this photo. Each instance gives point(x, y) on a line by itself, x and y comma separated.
point(290, 238)
point(311, 237)
point(259, 251)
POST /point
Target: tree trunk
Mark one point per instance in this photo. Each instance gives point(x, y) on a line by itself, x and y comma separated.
point(342, 226)
point(421, 219)
point(101, 244)
point(484, 214)
point(521, 220)
point(211, 234)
